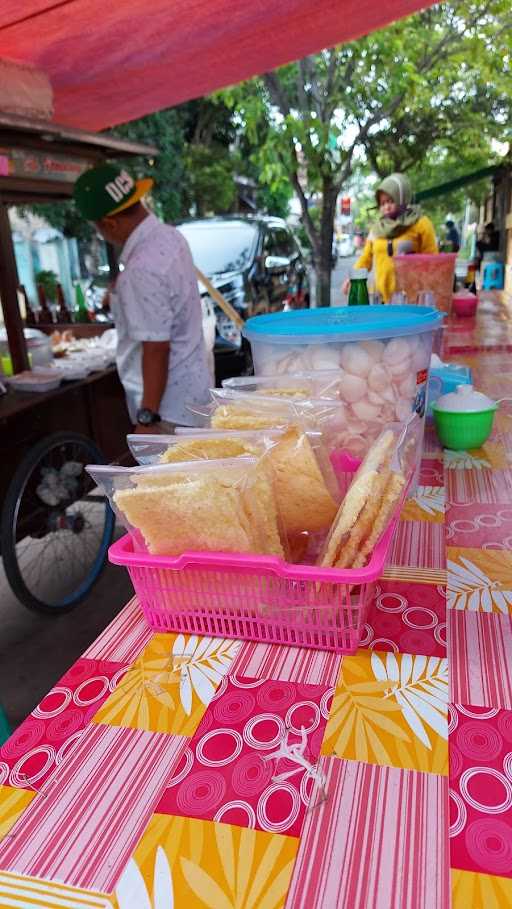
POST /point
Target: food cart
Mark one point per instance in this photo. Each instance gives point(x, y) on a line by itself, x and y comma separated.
point(75, 423)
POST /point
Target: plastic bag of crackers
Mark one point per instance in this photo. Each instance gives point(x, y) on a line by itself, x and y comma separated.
point(376, 491)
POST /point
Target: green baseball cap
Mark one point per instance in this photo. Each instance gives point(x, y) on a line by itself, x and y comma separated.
point(106, 190)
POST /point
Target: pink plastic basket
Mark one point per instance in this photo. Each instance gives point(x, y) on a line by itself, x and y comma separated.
point(256, 598)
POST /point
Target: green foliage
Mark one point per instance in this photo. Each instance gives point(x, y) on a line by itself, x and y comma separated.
point(64, 216)
point(48, 281)
point(165, 130)
point(304, 239)
point(211, 184)
point(194, 170)
point(194, 167)
point(207, 121)
point(433, 88)
point(441, 166)
point(275, 200)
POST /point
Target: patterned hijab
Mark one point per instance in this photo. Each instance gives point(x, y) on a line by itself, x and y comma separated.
point(397, 186)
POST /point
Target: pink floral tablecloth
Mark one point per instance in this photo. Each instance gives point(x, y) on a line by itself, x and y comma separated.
point(161, 771)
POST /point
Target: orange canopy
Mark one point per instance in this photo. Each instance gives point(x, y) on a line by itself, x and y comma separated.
point(114, 60)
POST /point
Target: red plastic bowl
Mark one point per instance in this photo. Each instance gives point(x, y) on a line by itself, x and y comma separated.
point(465, 305)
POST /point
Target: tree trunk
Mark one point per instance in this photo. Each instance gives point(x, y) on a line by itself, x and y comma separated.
point(323, 284)
point(323, 261)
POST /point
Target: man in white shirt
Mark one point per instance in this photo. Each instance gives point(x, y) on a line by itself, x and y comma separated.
point(161, 355)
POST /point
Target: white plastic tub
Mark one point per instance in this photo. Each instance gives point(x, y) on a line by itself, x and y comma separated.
point(40, 380)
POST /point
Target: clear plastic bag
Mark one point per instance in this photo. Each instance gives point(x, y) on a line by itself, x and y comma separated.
point(236, 410)
point(193, 444)
point(232, 409)
point(377, 488)
point(342, 436)
point(305, 487)
point(147, 448)
point(222, 506)
point(321, 384)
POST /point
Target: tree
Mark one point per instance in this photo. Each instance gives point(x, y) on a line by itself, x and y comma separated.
point(64, 216)
point(274, 200)
point(439, 79)
point(211, 179)
point(210, 164)
point(194, 168)
point(165, 129)
point(441, 166)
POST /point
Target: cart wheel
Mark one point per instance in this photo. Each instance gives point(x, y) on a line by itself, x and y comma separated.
point(56, 527)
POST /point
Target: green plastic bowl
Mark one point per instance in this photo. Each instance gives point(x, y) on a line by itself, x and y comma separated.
point(461, 431)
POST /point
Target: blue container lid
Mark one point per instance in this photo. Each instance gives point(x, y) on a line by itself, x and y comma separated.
point(304, 326)
point(452, 372)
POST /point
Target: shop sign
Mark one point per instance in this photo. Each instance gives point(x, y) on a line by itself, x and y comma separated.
point(40, 165)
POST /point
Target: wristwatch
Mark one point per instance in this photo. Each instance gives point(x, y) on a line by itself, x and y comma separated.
point(146, 417)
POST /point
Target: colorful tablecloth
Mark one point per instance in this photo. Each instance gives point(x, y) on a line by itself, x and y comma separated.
point(168, 771)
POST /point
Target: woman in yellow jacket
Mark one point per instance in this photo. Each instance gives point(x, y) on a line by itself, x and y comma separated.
point(399, 223)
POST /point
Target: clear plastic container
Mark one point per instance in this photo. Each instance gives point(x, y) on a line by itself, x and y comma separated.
point(40, 380)
point(383, 354)
point(39, 349)
point(421, 272)
point(71, 370)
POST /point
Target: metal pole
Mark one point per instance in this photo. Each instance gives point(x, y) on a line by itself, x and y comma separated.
point(9, 295)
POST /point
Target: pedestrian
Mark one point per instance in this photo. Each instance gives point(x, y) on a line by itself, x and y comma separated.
point(400, 227)
point(492, 237)
point(452, 236)
point(358, 239)
point(161, 355)
point(488, 242)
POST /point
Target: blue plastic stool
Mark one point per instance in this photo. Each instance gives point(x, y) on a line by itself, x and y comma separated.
point(494, 276)
point(5, 729)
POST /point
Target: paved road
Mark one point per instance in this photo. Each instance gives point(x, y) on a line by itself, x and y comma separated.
point(339, 274)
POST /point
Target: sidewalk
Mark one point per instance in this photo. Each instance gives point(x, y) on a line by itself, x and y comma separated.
point(342, 271)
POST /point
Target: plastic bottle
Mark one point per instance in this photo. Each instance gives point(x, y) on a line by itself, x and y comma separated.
point(81, 311)
point(30, 314)
point(45, 316)
point(358, 294)
point(63, 313)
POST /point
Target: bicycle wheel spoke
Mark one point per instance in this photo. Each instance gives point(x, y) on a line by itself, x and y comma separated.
point(55, 551)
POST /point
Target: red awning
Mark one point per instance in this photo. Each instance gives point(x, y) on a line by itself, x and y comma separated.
point(114, 60)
